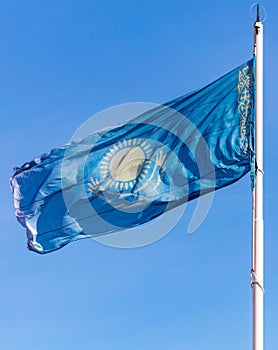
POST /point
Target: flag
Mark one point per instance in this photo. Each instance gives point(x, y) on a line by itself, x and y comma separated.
point(129, 174)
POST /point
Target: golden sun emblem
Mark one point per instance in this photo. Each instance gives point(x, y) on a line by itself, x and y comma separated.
point(124, 165)
point(128, 165)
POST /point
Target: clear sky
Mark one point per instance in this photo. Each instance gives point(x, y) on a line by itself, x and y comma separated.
point(63, 61)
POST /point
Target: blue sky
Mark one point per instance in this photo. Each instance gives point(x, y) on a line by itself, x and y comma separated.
point(63, 61)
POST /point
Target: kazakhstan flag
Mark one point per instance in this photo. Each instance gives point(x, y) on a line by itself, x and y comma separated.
point(127, 175)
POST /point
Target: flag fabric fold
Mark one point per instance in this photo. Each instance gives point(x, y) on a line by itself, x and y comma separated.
point(127, 175)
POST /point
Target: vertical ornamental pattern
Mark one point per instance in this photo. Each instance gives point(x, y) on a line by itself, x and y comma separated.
point(245, 104)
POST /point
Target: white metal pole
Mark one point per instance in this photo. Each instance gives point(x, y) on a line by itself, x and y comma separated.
point(257, 273)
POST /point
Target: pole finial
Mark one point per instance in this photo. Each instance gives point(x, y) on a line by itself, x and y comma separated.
point(258, 13)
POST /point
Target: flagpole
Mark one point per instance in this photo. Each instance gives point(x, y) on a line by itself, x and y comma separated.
point(257, 272)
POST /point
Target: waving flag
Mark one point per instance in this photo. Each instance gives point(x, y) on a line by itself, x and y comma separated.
point(130, 174)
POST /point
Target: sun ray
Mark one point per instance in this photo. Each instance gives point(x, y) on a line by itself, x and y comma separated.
point(143, 144)
point(94, 182)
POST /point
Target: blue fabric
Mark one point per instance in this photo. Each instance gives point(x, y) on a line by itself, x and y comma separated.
point(130, 174)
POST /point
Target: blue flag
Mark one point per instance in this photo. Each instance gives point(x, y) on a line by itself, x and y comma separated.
point(127, 175)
